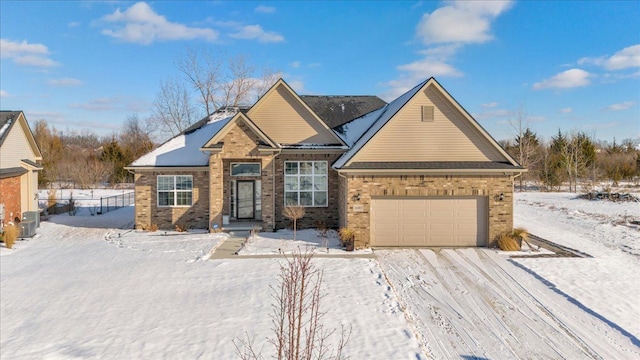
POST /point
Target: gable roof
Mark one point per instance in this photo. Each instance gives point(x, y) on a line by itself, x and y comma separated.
point(8, 119)
point(336, 110)
point(313, 122)
point(220, 134)
point(386, 114)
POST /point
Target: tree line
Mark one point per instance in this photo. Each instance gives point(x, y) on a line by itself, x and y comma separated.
point(84, 160)
point(572, 159)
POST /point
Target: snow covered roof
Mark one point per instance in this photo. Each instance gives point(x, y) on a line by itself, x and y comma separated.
point(184, 148)
point(6, 120)
point(353, 130)
point(384, 115)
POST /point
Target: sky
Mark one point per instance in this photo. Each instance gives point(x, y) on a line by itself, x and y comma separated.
point(85, 66)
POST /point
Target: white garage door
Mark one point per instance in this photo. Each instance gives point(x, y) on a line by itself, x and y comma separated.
point(429, 221)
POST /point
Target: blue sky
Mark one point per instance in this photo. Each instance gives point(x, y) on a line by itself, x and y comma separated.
point(567, 65)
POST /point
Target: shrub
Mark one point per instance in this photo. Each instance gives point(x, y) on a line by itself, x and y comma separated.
point(153, 227)
point(347, 238)
point(11, 233)
point(181, 227)
point(512, 241)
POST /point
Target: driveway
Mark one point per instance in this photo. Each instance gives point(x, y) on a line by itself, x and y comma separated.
point(475, 303)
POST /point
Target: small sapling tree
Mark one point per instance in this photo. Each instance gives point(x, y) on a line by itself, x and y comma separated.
point(294, 212)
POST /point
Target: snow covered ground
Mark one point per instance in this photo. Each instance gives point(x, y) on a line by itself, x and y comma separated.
point(89, 287)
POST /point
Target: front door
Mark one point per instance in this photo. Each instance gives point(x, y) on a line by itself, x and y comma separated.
point(246, 199)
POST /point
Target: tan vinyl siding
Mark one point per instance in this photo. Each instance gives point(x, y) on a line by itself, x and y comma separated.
point(15, 148)
point(449, 137)
point(286, 120)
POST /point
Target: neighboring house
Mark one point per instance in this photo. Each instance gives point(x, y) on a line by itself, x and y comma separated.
point(419, 171)
point(19, 166)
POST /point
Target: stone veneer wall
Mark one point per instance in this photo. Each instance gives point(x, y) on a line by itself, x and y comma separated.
point(328, 215)
point(147, 211)
point(500, 212)
point(10, 195)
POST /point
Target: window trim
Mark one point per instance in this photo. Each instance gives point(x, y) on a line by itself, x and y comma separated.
point(313, 175)
point(174, 190)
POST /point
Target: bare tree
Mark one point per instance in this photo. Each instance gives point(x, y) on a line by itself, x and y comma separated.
point(172, 108)
point(135, 136)
point(294, 212)
point(222, 80)
point(202, 68)
point(526, 144)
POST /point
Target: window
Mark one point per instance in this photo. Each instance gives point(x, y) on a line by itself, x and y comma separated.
point(305, 183)
point(245, 169)
point(175, 190)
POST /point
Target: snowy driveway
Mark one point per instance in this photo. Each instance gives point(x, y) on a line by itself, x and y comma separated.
point(474, 303)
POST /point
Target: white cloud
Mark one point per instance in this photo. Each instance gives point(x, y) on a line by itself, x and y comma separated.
point(142, 25)
point(121, 103)
point(4, 94)
point(566, 110)
point(628, 57)
point(255, 32)
point(65, 82)
point(295, 64)
point(625, 58)
point(620, 106)
point(73, 24)
point(489, 105)
point(472, 21)
point(431, 66)
point(101, 104)
point(567, 79)
point(24, 53)
point(265, 9)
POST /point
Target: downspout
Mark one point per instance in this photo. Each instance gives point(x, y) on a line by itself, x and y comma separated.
point(273, 184)
point(345, 209)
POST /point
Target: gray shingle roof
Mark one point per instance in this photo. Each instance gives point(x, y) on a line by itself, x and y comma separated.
point(337, 110)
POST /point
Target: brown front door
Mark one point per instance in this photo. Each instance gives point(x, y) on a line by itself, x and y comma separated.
point(246, 199)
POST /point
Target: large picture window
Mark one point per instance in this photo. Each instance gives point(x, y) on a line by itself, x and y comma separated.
point(175, 190)
point(305, 183)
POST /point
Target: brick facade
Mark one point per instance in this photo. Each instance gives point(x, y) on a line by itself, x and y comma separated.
point(148, 212)
point(500, 211)
point(10, 196)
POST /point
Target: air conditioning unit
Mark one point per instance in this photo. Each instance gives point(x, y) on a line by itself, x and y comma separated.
point(31, 216)
point(27, 229)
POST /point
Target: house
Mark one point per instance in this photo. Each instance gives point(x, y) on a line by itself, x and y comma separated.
point(418, 171)
point(19, 166)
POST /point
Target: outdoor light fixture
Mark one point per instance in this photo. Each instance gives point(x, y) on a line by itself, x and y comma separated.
point(499, 197)
point(356, 197)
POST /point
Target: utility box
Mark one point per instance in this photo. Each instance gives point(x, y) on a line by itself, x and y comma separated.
point(27, 229)
point(32, 216)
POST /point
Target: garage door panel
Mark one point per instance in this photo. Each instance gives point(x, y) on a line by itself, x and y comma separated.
point(413, 240)
point(429, 222)
point(414, 227)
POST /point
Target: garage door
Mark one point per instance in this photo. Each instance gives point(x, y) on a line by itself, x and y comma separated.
point(429, 221)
